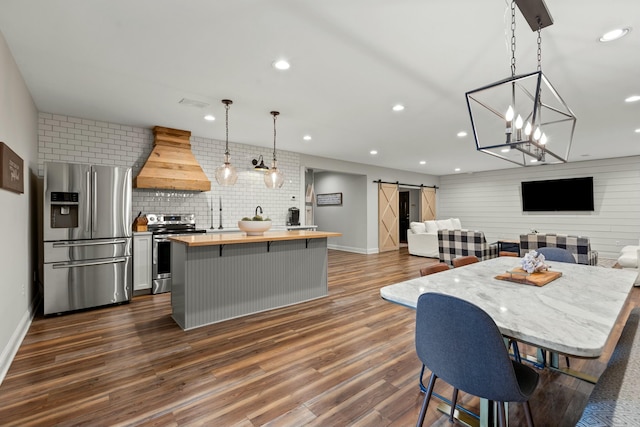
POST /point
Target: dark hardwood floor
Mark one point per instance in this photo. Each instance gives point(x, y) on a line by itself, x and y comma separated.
point(344, 360)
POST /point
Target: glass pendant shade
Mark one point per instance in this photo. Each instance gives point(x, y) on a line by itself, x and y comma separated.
point(274, 178)
point(226, 174)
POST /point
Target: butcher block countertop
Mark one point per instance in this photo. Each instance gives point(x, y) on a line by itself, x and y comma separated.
point(237, 238)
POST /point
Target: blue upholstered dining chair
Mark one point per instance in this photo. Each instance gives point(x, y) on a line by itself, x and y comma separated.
point(561, 255)
point(557, 254)
point(461, 344)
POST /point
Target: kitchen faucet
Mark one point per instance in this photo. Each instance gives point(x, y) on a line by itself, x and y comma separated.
point(258, 207)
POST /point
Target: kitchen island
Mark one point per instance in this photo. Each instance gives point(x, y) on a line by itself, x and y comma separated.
point(223, 276)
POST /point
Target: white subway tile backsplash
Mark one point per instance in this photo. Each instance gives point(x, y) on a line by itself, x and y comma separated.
point(72, 139)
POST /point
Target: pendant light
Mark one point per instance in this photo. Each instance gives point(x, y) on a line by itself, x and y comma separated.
point(274, 178)
point(226, 174)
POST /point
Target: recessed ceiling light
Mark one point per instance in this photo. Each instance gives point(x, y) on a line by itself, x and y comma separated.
point(373, 152)
point(457, 169)
point(281, 64)
point(398, 107)
point(534, 160)
point(614, 34)
point(462, 134)
point(506, 150)
point(633, 98)
point(307, 137)
point(638, 130)
point(422, 162)
point(209, 118)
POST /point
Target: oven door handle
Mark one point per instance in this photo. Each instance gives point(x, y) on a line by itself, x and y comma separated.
point(90, 263)
point(89, 243)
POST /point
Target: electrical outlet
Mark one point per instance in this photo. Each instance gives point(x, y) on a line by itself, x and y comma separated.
point(22, 289)
point(617, 242)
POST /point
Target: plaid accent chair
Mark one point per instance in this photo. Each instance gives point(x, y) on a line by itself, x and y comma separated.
point(579, 246)
point(456, 243)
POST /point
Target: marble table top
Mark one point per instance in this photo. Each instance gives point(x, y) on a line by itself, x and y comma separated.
point(572, 315)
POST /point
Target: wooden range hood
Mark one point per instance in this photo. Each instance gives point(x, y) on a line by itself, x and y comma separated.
point(171, 164)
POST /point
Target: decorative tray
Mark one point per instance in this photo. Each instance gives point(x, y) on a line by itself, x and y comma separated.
point(518, 275)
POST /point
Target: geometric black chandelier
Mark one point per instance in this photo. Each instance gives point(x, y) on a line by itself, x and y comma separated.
point(523, 119)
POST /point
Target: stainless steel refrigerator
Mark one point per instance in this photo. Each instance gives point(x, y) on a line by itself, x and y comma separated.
point(87, 236)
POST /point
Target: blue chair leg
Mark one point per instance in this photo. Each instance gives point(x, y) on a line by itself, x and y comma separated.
point(527, 412)
point(425, 402)
point(516, 351)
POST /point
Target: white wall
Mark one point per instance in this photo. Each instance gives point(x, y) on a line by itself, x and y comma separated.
point(18, 129)
point(350, 218)
point(491, 202)
point(371, 189)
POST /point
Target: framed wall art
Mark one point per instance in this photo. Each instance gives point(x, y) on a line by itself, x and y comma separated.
point(11, 170)
point(329, 199)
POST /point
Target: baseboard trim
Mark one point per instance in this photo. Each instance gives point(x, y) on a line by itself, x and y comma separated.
point(12, 347)
point(348, 249)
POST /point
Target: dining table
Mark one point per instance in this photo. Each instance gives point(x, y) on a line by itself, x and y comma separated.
point(572, 315)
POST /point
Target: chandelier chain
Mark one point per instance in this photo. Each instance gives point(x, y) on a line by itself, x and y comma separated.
point(539, 44)
point(513, 38)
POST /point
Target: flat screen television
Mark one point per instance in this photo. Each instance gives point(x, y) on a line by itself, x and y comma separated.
point(572, 194)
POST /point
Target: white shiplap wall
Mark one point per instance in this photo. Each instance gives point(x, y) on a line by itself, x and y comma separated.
point(76, 140)
point(491, 202)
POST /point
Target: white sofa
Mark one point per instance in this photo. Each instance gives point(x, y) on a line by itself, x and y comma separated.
point(422, 237)
point(630, 259)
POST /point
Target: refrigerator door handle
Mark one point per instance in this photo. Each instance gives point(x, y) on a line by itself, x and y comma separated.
point(90, 263)
point(94, 201)
point(87, 221)
point(88, 243)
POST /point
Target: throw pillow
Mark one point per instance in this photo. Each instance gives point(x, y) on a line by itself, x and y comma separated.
point(629, 257)
point(445, 224)
point(431, 226)
point(418, 227)
point(457, 225)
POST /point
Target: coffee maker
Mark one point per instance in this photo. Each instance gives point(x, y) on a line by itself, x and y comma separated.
point(293, 216)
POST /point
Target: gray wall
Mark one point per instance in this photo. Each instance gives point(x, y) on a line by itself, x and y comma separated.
point(18, 129)
point(370, 188)
point(350, 219)
point(491, 202)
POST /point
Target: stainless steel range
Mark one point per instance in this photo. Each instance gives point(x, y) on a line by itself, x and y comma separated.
point(164, 226)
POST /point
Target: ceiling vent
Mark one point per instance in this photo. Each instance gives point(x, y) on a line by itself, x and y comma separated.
point(171, 164)
point(193, 103)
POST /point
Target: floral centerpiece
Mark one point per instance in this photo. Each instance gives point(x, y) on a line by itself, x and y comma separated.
point(533, 262)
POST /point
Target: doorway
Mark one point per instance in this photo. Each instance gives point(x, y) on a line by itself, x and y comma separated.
point(404, 213)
